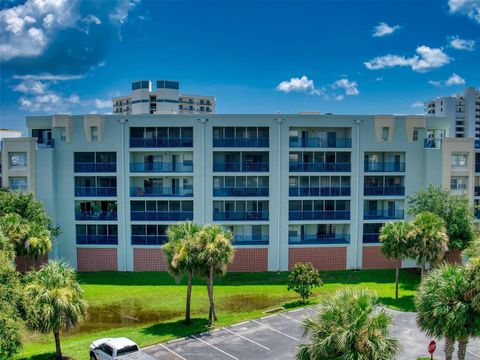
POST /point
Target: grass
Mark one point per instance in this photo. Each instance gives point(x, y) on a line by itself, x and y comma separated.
point(149, 307)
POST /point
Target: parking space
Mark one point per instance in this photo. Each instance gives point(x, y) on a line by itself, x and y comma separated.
point(276, 337)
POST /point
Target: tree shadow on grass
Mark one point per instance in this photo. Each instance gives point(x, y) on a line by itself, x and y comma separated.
point(176, 329)
point(296, 304)
point(403, 303)
point(44, 356)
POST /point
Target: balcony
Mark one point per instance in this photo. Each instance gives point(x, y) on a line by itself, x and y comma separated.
point(250, 240)
point(95, 167)
point(319, 215)
point(477, 191)
point(297, 142)
point(432, 143)
point(97, 239)
point(166, 191)
point(161, 143)
point(241, 142)
point(384, 190)
point(240, 215)
point(477, 144)
point(319, 239)
point(95, 191)
point(234, 191)
point(477, 167)
point(161, 215)
point(160, 167)
point(45, 143)
point(241, 167)
point(371, 238)
point(319, 191)
point(149, 239)
point(319, 167)
point(96, 215)
point(371, 166)
point(383, 214)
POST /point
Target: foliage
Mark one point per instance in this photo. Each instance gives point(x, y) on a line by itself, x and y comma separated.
point(303, 279)
point(455, 210)
point(473, 250)
point(349, 325)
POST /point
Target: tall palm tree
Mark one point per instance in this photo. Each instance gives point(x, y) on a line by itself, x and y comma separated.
point(55, 300)
point(430, 240)
point(181, 252)
point(349, 325)
point(472, 295)
point(396, 240)
point(216, 253)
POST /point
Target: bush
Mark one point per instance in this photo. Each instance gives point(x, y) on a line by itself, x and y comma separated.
point(303, 279)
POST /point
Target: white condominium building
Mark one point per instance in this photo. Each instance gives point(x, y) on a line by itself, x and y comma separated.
point(165, 100)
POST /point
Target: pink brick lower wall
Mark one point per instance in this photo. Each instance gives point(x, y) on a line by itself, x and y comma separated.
point(97, 259)
point(26, 264)
point(254, 259)
point(374, 259)
point(322, 258)
point(149, 260)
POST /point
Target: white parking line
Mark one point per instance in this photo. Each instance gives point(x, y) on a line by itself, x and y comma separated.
point(474, 354)
point(268, 327)
point(290, 318)
point(243, 337)
point(216, 348)
point(173, 352)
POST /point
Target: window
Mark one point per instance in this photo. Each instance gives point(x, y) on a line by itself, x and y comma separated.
point(415, 134)
point(17, 159)
point(459, 160)
point(94, 133)
point(458, 183)
point(63, 136)
point(18, 183)
point(385, 133)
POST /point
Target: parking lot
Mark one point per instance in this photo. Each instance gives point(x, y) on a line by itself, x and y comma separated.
point(278, 336)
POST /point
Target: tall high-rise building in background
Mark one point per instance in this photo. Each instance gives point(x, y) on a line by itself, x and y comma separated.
point(166, 99)
point(463, 111)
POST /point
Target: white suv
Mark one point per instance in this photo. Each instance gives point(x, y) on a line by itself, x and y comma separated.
point(116, 349)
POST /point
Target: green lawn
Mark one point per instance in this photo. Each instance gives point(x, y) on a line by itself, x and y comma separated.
point(148, 307)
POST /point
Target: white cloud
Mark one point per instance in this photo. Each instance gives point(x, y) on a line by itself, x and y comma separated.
point(384, 29)
point(417, 104)
point(471, 8)
point(435, 83)
point(462, 44)
point(295, 84)
point(453, 80)
point(305, 85)
point(30, 87)
point(350, 87)
point(48, 77)
point(102, 104)
point(426, 59)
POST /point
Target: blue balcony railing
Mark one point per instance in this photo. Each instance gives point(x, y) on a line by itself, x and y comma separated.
point(477, 214)
point(477, 144)
point(319, 239)
point(95, 191)
point(97, 239)
point(383, 214)
point(296, 142)
point(236, 191)
point(250, 240)
point(45, 143)
point(371, 166)
point(161, 215)
point(161, 143)
point(319, 215)
point(96, 215)
point(240, 142)
point(240, 215)
point(241, 167)
point(432, 143)
point(371, 238)
point(477, 191)
point(319, 167)
point(149, 239)
point(384, 190)
point(322, 191)
point(166, 191)
point(95, 167)
point(160, 167)
point(477, 167)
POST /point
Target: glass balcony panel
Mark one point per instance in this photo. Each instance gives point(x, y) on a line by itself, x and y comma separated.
point(97, 239)
point(96, 216)
point(319, 215)
point(240, 215)
point(383, 214)
point(319, 239)
point(166, 191)
point(161, 215)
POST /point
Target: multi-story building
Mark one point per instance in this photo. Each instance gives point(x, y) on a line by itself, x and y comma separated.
point(291, 188)
point(463, 111)
point(165, 100)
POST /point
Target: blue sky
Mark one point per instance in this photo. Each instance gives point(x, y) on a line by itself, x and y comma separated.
point(354, 57)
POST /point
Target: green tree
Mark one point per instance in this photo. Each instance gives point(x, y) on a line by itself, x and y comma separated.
point(472, 294)
point(181, 252)
point(429, 239)
point(350, 325)
point(303, 279)
point(473, 250)
point(455, 210)
point(55, 300)
point(444, 308)
point(215, 254)
point(396, 239)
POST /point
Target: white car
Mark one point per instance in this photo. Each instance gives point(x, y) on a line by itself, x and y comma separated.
point(116, 349)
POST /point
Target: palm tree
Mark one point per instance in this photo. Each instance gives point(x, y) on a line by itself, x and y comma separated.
point(429, 239)
point(216, 253)
point(472, 295)
point(55, 300)
point(181, 253)
point(349, 325)
point(396, 240)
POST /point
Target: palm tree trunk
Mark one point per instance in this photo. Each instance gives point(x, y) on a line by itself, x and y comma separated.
point(189, 298)
point(58, 349)
point(449, 348)
point(211, 316)
point(422, 271)
point(396, 281)
point(462, 348)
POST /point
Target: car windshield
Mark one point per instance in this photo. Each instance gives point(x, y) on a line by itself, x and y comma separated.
point(127, 350)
